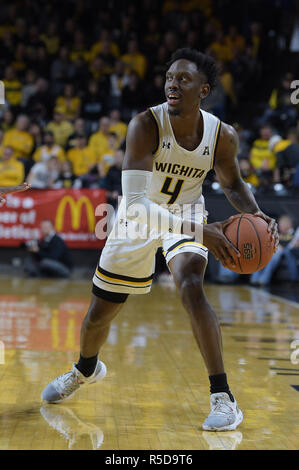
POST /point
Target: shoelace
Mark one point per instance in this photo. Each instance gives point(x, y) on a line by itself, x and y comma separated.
point(221, 407)
point(69, 381)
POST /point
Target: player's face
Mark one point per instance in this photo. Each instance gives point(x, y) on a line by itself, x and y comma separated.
point(184, 87)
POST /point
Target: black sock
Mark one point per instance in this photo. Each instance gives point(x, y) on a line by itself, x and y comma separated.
point(219, 384)
point(87, 365)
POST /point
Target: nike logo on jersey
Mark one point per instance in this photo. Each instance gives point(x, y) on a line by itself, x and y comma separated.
point(177, 169)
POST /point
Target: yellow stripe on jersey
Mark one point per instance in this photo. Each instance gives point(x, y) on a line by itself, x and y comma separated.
point(158, 128)
point(215, 143)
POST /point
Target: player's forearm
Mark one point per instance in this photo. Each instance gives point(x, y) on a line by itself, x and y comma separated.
point(241, 198)
point(139, 208)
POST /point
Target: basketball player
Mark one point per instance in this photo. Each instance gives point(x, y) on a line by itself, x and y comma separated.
point(11, 189)
point(169, 150)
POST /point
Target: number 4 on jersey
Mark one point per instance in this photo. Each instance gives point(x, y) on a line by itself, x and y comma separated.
point(175, 193)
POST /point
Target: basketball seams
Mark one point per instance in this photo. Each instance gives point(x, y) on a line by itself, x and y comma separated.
point(239, 223)
point(239, 232)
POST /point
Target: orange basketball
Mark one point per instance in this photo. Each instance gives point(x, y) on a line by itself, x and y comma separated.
point(249, 234)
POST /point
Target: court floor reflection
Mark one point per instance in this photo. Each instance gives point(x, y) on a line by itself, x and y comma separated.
point(77, 433)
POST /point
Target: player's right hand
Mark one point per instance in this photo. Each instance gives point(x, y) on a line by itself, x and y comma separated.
point(217, 243)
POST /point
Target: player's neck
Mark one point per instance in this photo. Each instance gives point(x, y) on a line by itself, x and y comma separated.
point(186, 123)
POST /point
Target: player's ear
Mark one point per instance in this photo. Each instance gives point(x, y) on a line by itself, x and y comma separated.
point(204, 91)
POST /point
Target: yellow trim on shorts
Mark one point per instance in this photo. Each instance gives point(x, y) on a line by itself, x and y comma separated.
point(121, 281)
point(187, 243)
point(184, 243)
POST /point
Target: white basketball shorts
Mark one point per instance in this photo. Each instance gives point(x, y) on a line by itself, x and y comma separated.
point(127, 264)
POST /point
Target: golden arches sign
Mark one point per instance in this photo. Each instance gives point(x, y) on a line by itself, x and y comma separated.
point(76, 210)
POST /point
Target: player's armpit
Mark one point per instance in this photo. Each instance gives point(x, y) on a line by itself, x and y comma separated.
point(226, 166)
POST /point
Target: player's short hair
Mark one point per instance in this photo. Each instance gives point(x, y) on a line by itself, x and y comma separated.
point(205, 63)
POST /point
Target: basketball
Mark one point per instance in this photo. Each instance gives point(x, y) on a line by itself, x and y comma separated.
point(249, 234)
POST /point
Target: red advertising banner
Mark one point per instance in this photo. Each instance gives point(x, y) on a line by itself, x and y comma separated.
point(71, 210)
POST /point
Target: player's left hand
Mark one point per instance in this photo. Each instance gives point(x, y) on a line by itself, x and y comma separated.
point(272, 227)
point(12, 189)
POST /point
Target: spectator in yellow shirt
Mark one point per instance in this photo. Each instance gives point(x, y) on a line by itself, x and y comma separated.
point(19, 139)
point(134, 60)
point(13, 87)
point(69, 103)
point(83, 158)
point(235, 41)
point(260, 155)
point(106, 159)
point(97, 68)
point(98, 46)
point(79, 48)
point(60, 127)
point(51, 39)
point(247, 172)
point(11, 170)
point(220, 48)
point(262, 159)
point(117, 126)
point(99, 140)
point(49, 149)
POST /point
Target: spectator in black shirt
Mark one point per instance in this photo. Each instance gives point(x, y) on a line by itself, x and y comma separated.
point(40, 103)
point(132, 97)
point(48, 257)
point(67, 179)
point(93, 104)
point(155, 93)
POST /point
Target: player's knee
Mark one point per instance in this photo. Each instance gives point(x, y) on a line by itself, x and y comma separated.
point(191, 286)
point(101, 313)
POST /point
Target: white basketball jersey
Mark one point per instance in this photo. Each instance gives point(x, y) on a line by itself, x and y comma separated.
point(178, 174)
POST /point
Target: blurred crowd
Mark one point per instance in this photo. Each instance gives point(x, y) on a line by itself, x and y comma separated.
point(75, 75)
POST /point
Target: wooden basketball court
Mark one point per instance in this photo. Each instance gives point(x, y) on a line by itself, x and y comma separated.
point(156, 393)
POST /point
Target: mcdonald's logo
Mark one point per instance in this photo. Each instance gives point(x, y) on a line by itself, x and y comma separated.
point(76, 210)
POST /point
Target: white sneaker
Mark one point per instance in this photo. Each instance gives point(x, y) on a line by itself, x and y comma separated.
point(64, 386)
point(225, 414)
